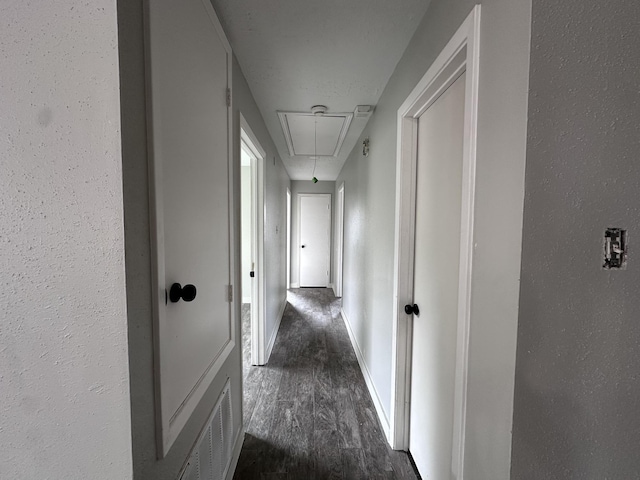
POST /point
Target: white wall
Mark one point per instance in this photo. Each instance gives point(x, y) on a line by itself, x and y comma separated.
point(577, 389)
point(307, 186)
point(63, 334)
point(370, 215)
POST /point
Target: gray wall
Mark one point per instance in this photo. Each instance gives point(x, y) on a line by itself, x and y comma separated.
point(577, 388)
point(64, 380)
point(138, 269)
point(370, 220)
point(307, 186)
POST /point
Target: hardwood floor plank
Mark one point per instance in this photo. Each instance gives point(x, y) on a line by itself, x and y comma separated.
point(264, 411)
point(347, 421)
point(279, 438)
point(328, 465)
point(353, 464)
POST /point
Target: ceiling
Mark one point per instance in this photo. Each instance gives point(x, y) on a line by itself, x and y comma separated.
point(299, 53)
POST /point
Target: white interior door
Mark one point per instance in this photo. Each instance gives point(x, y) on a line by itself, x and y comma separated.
point(189, 74)
point(436, 280)
point(315, 239)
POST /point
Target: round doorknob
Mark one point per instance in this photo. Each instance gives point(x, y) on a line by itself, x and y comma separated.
point(411, 309)
point(186, 293)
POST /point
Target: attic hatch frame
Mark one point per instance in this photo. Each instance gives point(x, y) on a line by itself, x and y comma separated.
point(284, 122)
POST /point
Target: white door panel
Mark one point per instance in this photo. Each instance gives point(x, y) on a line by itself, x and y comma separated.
point(189, 71)
point(436, 278)
point(315, 239)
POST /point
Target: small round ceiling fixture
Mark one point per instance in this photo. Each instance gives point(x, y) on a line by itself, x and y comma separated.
point(319, 110)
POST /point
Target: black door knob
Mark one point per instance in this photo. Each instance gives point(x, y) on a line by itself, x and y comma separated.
point(303, 246)
point(186, 293)
point(412, 309)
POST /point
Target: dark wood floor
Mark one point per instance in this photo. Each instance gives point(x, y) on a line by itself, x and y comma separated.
point(308, 413)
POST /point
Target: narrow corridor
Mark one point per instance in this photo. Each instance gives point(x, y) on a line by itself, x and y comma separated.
point(308, 413)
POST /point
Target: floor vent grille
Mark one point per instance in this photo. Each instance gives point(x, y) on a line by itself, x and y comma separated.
point(211, 455)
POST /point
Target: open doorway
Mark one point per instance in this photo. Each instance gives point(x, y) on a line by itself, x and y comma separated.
point(252, 246)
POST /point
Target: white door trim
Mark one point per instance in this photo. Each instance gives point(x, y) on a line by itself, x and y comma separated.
point(168, 428)
point(288, 261)
point(460, 54)
point(298, 233)
point(337, 282)
point(258, 327)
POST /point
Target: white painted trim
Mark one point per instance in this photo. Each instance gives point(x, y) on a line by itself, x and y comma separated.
point(169, 426)
point(274, 334)
point(288, 240)
point(460, 54)
point(377, 403)
point(298, 233)
point(258, 300)
point(235, 455)
point(339, 241)
point(295, 285)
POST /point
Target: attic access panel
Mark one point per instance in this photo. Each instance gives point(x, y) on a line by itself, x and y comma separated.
point(300, 128)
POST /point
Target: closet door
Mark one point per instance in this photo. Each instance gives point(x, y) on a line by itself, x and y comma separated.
point(188, 79)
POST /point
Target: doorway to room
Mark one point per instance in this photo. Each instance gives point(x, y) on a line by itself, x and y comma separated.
point(252, 246)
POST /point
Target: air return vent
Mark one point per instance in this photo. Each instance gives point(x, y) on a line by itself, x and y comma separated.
point(211, 455)
point(303, 131)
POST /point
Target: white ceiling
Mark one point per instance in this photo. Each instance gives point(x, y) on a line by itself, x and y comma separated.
point(299, 53)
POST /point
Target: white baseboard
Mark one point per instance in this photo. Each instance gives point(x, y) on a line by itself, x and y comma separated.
point(246, 299)
point(274, 334)
point(235, 455)
point(333, 287)
point(384, 421)
point(295, 285)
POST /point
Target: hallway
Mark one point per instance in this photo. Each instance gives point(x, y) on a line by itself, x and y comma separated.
point(308, 414)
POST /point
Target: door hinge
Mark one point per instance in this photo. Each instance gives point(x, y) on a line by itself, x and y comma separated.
point(228, 97)
point(230, 293)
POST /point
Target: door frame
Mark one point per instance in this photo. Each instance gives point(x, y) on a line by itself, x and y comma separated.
point(258, 327)
point(167, 427)
point(288, 255)
point(460, 54)
point(337, 280)
point(299, 232)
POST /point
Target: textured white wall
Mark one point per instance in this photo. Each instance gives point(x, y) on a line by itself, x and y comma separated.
point(63, 333)
point(370, 216)
point(577, 391)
